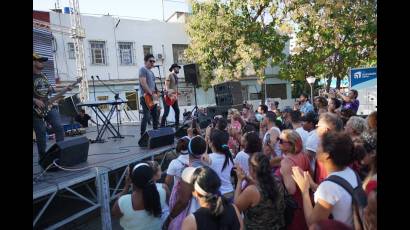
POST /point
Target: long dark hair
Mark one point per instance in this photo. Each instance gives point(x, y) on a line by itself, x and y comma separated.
point(142, 178)
point(219, 140)
point(260, 165)
point(209, 181)
point(253, 143)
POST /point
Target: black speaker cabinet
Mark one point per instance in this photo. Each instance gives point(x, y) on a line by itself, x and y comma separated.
point(66, 153)
point(191, 72)
point(157, 138)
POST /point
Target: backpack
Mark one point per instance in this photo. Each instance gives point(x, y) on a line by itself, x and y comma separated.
point(359, 198)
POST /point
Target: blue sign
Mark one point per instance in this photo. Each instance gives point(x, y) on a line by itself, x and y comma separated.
point(363, 77)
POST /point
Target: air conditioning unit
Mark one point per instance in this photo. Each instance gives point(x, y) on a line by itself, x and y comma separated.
point(159, 56)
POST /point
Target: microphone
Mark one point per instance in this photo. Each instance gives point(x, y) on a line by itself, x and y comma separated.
point(92, 77)
point(97, 77)
point(157, 66)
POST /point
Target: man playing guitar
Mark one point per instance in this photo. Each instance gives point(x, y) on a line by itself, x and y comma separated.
point(41, 91)
point(149, 96)
point(171, 94)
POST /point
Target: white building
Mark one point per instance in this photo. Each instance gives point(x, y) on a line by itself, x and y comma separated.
point(115, 48)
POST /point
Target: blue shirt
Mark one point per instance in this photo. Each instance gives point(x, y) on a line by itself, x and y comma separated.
point(307, 107)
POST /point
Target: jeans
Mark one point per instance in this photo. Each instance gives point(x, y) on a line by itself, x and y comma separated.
point(166, 112)
point(146, 114)
point(53, 118)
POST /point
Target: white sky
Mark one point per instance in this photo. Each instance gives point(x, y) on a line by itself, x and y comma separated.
point(149, 9)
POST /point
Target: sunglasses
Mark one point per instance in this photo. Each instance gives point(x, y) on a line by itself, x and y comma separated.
point(281, 141)
point(152, 61)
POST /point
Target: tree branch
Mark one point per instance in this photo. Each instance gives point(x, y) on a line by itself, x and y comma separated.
point(258, 13)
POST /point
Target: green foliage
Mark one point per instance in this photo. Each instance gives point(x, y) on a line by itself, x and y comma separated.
point(331, 36)
point(234, 38)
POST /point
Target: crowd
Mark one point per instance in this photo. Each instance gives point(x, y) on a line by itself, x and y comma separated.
point(313, 166)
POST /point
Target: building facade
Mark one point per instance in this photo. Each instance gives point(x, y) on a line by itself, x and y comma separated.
point(115, 49)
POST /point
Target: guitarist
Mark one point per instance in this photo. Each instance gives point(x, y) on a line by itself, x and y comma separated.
point(148, 87)
point(171, 89)
point(41, 91)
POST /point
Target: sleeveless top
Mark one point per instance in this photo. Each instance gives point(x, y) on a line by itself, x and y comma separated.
point(267, 214)
point(228, 220)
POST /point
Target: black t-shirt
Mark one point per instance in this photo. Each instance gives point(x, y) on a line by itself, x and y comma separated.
point(40, 86)
point(227, 220)
point(83, 120)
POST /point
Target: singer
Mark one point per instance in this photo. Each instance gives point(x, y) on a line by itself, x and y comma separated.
point(149, 93)
point(171, 94)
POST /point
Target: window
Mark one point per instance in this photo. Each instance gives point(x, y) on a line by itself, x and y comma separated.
point(147, 49)
point(276, 91)
point(125, 53)
point(255, 96)
point(244, 90)
point(178, 53)
point(98, 52)
point(132, 102)
point(71, 54)
point(103, 98)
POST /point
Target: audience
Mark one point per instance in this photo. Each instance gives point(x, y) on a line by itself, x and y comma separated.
point(214, 212)
point(335, 151)
point(142, 208)
point(291, 146)
point(238, 176)
point(221, 160)
point(355, 127)
point(327, 122)
point(334, 105)
point(262, 202)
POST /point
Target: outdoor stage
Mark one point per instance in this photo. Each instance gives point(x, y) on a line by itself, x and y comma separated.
point(56, 193)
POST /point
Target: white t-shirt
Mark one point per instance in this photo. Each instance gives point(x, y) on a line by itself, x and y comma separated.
point(176, 166)
point(304, 135)
point(242, 159)
point(141, 219)
point(337, 196)
point(217, 161)
point(276, 147)
point(311, 144)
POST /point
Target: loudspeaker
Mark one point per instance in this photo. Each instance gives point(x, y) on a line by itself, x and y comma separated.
point(191, 72)
point(228, 93)
point(157, 138)
point(68, 153)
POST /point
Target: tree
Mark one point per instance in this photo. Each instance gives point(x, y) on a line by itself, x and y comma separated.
point(234, 38)
point(331, 36)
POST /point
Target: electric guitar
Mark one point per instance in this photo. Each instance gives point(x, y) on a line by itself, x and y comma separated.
point(150, 101)
point(171, 97)
point(42, 112)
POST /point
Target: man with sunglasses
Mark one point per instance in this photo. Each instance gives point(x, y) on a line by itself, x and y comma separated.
point(148, 86)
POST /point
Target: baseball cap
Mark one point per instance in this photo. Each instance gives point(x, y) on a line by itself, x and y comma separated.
point(39, 58)
point(187, 174)
point(310, 117)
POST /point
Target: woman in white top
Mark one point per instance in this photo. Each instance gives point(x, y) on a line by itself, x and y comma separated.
point(336, 152)
point(177, 165)
point(142, 208)
point(162, 188)
point(221, 161)
point(252, 144)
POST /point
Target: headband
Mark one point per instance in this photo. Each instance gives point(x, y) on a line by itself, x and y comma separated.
point(139, 165)
point(200, 190)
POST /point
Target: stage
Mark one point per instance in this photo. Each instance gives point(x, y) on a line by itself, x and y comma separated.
point(94, 183)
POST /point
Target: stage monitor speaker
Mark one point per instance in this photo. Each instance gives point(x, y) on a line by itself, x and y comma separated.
point(157, 138)
point(68, 153)
point(191, 72)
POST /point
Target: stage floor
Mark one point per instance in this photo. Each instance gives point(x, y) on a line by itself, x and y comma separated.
point(114, 153)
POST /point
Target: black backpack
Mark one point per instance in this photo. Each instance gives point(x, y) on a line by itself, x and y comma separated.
point(359, 198)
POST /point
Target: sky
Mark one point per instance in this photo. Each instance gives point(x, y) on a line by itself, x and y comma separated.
point(144, 9)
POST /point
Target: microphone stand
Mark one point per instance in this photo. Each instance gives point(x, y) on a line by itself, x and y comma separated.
point(96, 116)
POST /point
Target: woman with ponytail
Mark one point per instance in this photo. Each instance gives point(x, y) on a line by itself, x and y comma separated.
point(142, 208)
point(215, 212)
point(262, 202)
point(221, 160)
